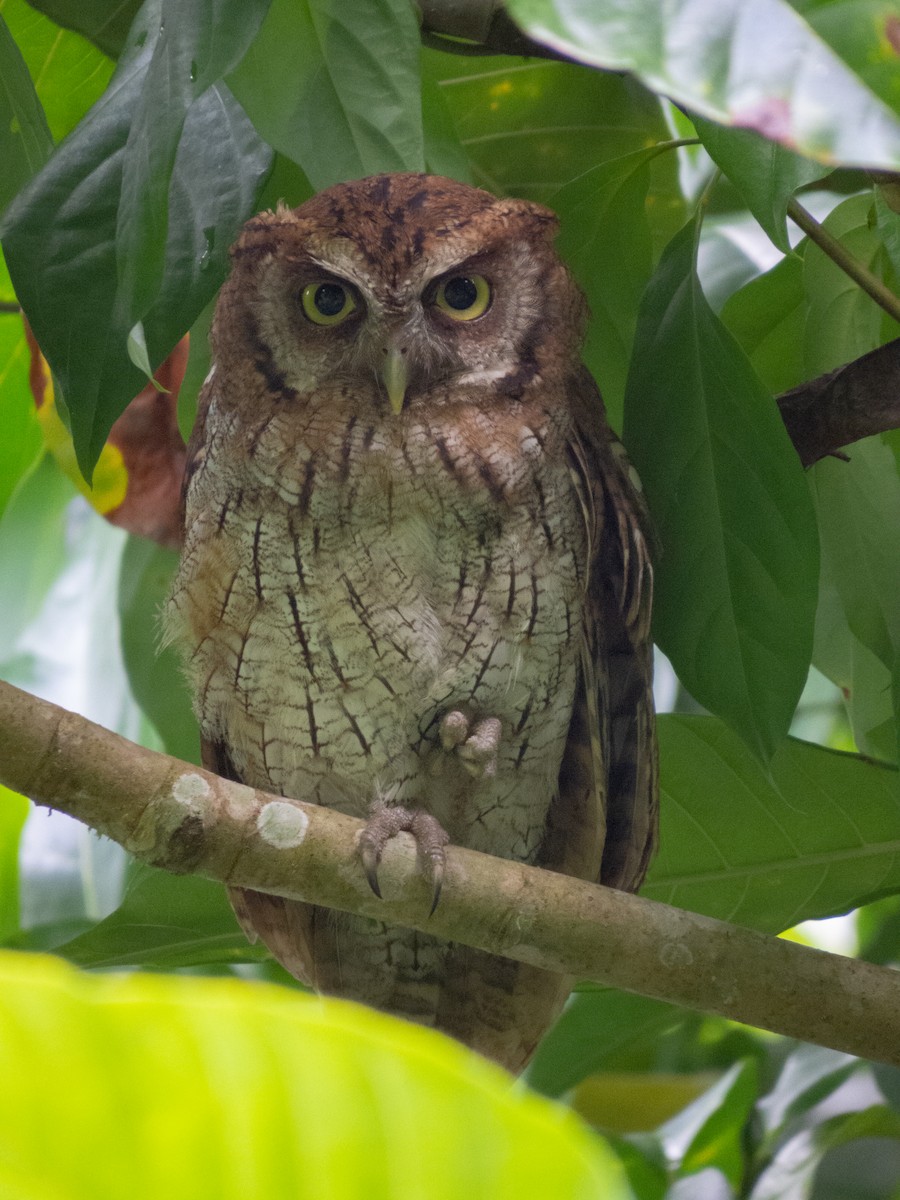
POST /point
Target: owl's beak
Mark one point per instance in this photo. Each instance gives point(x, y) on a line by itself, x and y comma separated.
point(395, 377)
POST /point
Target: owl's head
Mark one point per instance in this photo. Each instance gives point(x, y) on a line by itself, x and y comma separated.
point(401, 288)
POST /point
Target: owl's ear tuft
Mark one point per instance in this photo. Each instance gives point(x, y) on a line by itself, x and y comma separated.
point(533, 219)
point(256, 238)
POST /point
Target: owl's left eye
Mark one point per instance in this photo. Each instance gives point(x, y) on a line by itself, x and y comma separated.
point(327, 303)
point(464, 297)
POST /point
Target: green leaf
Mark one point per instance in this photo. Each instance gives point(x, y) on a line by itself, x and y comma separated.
point(843, 322)
point(197, 42)
point(605, 239)
point(529, 128)
point(444, 153)
point(25, 141)
point(863, 679)
point(888, 221)
point(809, 1074)
point(792, 1171)
point(59, 239)
point(36, 516)
point(596, 1027)
point(645, 1165)
point(858, 504)
point(69, 74)
point(155, 675)
point(13, 811)
point(22, 445)
point(737, 572)
point(863, 33)
point(196, 371)
point(104, 22)
point(335, 87)
point(710, 1132)
point(767, 317)
point(815, 835)
point(750, 63)
point(765, 173)
point(164, 922)
point(201, 1089)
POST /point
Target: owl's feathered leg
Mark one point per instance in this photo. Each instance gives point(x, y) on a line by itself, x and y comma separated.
point(386, 821)
point(475, 742)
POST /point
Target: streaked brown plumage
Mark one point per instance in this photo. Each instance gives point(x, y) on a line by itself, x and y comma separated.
point(415, 571)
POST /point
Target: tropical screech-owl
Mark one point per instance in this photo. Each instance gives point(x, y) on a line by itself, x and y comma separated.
point(415, 575)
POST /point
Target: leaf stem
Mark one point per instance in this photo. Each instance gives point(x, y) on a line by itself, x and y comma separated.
point(10, 306)
point(842, 258)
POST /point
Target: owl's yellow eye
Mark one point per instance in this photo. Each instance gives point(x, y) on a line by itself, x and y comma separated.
point(327, 303)
point(464, 297)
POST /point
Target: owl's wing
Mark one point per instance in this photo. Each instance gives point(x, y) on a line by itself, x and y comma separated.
point(612, 738)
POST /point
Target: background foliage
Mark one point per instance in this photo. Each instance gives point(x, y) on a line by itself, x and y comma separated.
point(135, 140)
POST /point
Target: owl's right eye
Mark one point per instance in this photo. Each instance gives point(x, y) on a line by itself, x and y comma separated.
point(327, 303)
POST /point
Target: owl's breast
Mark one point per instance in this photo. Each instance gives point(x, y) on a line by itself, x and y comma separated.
point(340, 605)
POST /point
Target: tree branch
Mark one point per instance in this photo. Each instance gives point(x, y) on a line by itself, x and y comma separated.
point(483, 27)
point(852, 402)
point(186, 820)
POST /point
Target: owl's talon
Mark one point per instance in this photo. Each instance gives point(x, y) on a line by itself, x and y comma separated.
point(386, 822)
point(370, 859)
point(454, 729)
point(437, 882)
point(476, 742)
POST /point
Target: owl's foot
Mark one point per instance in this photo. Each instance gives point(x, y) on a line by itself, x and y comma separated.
point(389, 820)
point(475, 742)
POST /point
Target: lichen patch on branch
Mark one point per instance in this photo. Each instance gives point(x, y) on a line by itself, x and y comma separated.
point(187, 789)
point(282, 824)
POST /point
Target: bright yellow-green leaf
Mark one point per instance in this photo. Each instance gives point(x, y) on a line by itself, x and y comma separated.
point(148, 1086)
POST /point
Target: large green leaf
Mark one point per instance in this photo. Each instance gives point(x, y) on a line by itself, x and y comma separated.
point(791, 1174)
point(25, 141)
point(765, 173)
point(104, 22)
point(164, 921)
point(605, 238)
point(69, 74)
point(767, 317)
point(154, 674)
point(213, 1088)
point(815, 835)
point(843, 322)
point(864, 680)
point(444, 153)
point(59, 239)
point(859, 520)
point(751, 63)
point(595, 1029)
point(529, 128)
point(864, 34)
point(196, 43)
point(737, 571)
point(13, 811)
point(36, 516)
point(711, 1131)
point(335, 87)
point(21, 445)
point(809, 1074)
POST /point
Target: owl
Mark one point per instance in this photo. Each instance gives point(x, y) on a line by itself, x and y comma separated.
point(415, 583)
